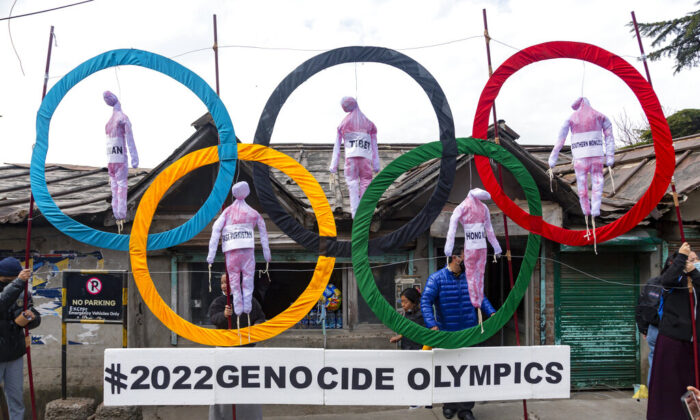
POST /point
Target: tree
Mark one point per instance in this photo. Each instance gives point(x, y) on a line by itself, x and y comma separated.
point(683, 123)
point(628, 129)
point(684, 47)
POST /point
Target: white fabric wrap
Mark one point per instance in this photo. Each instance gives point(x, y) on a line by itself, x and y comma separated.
point(588, 144)
point(358, 144)
point(237, 236)
point(474, 236)
point(115, 150)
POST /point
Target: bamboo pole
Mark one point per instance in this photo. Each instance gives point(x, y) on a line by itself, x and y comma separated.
point(487, 38)
point(676, 204)
point(28, 246)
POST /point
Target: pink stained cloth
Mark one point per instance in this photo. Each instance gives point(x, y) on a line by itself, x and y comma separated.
point(119, 181)
point(592, 145)
point(583, 167)
point(240, 266)
point(476, 220)
point(119, 136)
point(237, 223)
point(358, 176)
point(358, 135)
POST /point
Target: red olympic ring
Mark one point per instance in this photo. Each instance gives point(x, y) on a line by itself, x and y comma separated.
point(663, 145)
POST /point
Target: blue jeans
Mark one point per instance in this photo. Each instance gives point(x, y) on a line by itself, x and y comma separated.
point(12, 378)
point(652, 333)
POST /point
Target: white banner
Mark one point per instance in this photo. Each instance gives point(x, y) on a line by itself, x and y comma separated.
point(249, 375)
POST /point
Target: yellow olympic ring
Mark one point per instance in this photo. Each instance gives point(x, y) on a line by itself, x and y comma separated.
point(142, 224)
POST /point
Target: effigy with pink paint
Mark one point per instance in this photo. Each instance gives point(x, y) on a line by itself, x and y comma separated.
point(592, 146)
point(120, 144)
point(235, 229)
point(475, 218)
point(359, 136)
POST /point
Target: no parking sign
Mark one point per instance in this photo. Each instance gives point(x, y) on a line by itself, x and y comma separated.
point(96, 295)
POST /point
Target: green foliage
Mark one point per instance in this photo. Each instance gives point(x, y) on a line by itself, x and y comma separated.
point(685, 45)
point(683, 123)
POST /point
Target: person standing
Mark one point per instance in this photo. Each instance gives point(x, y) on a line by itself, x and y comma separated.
point(673, 367)
point(647, 311)
point(13, 344)
point(448, 291)
point(219, 314)
point(410, 303)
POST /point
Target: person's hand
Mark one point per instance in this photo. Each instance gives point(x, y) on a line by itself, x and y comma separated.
point(395, 339)
point(24, 318)
point(25, 274)
point(610, 160)
point(644, 336)
point(685, 249)
point(435, 328)
point(228, 311)
point(697, 395)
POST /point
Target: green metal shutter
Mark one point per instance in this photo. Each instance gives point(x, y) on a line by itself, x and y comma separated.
point(596, 318)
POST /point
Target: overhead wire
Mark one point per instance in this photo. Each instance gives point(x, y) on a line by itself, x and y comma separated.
point(42, 11)
point(9, 31)
point(381, 265)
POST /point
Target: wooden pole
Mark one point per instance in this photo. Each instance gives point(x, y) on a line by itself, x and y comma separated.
point(500, 181)
point(28, 246)
point(228, 318)
point(216, 55)
point(676, 204)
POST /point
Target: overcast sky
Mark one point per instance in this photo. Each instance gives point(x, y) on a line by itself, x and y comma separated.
point(534, 102)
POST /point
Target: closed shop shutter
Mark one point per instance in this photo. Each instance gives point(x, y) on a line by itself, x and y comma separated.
point(596, 318)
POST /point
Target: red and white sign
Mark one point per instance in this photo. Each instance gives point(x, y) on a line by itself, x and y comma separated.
point(93, 285)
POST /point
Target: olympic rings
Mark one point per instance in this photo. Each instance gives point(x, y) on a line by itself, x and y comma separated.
point(139, 242)
point(663, 145)
point(142, 222)
point(432, 209)
point(199, 87)
point(360, 235)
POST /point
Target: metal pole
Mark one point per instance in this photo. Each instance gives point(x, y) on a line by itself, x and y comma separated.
point(26, 250)
point(487, 38)
point(125, 305)
point(64, 355)
point(676, 204)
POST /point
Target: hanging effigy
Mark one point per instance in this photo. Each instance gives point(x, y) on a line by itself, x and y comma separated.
point(235, 227)
point(476, 220)
point(592, 146)
point(120, 144)
point(359, 136)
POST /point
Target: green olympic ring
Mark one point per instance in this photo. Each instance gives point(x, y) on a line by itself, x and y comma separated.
point(360, 239)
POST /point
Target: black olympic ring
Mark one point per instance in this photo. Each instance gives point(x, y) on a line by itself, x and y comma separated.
point(416, 226)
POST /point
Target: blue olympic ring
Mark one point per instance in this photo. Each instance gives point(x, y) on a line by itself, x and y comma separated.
point(228, 153)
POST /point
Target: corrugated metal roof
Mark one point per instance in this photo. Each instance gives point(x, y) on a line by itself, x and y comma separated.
point(77, 190)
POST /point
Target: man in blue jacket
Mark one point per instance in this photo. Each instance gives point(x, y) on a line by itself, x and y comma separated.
point(448, 292)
